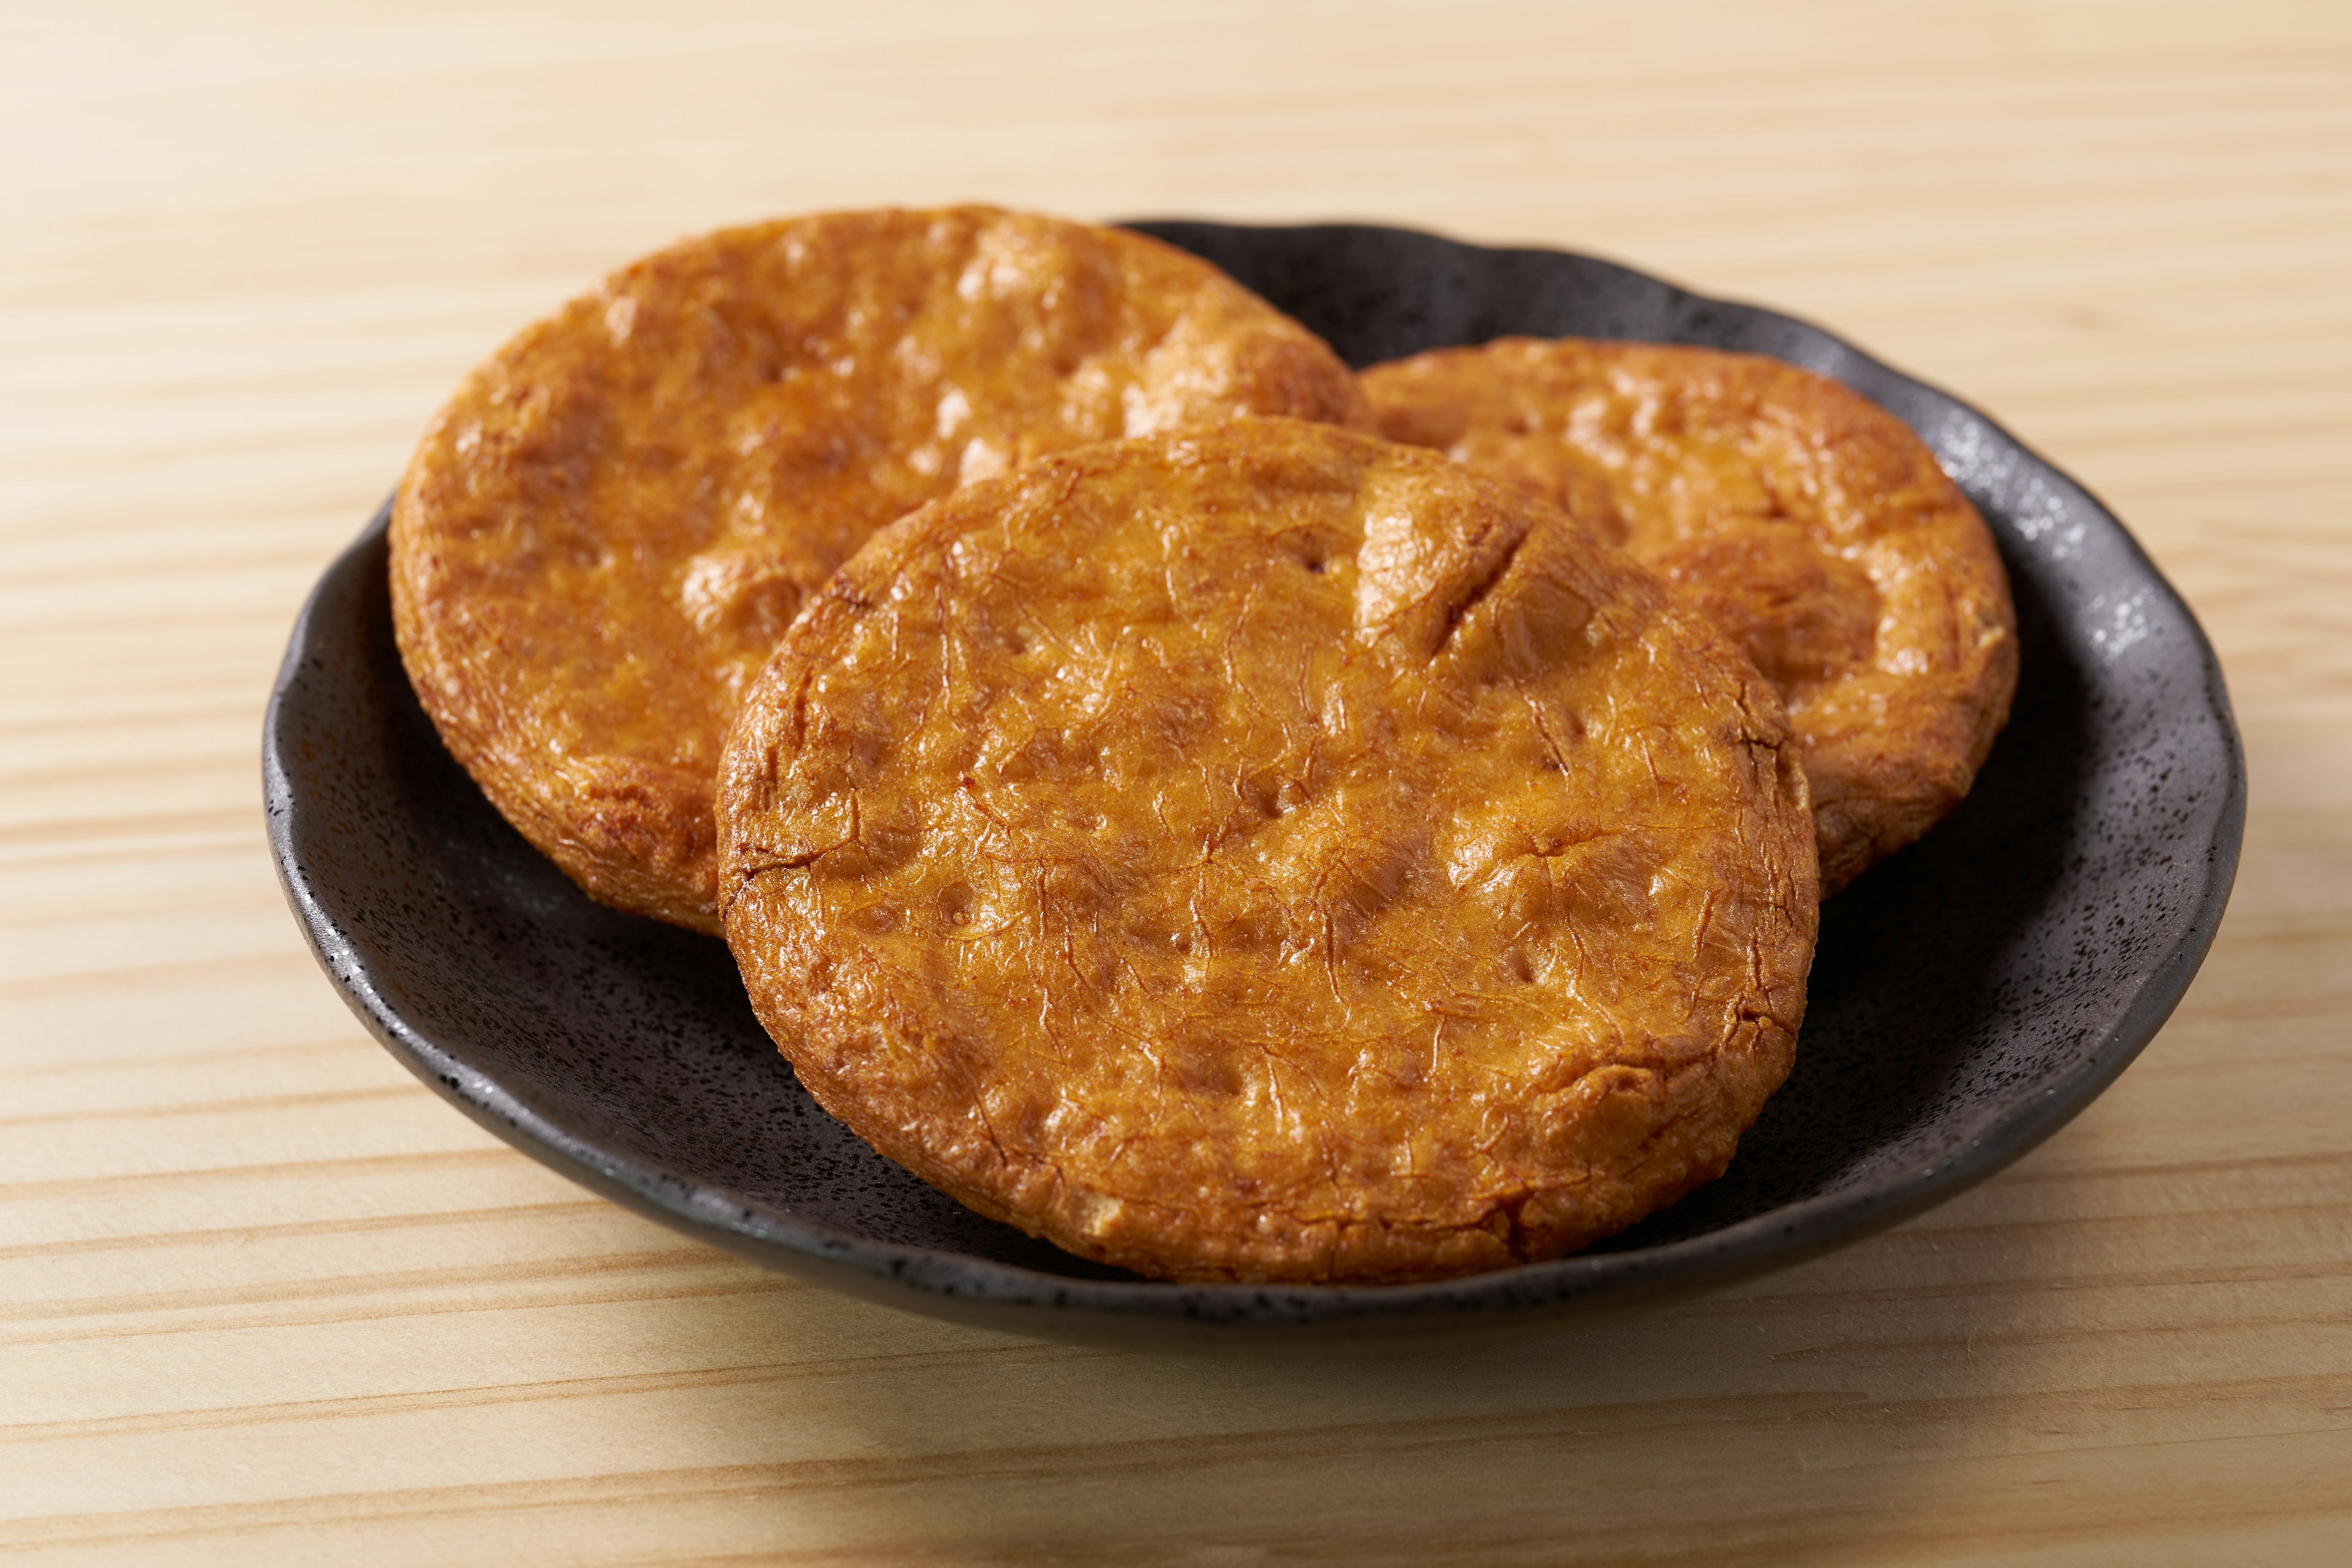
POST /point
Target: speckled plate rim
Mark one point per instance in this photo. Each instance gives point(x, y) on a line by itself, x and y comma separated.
point(1024, 1301)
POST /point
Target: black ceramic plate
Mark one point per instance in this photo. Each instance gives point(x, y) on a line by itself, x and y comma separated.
point(1969, 997)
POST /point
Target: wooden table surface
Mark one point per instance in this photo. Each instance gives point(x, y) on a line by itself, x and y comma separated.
point(264, 1298)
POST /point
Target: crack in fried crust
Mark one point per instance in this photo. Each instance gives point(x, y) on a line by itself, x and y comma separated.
point(1272, 853)
point(606, 530)
point(1806, 521)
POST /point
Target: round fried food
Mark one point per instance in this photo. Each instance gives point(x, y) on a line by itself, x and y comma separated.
point(1272, 853)
point(1804, 520)
point(605, 531)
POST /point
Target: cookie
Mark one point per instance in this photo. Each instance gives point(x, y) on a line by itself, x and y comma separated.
point(603, 533)
point(1796, 514)
point(1272, 853)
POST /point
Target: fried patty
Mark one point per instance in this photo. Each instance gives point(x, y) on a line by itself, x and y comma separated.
point(605, 530)
point(1796, 514)
point(1272, 853)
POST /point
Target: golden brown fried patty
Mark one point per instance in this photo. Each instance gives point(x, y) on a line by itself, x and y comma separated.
point(1272, 853)
point(606, 530)
point(1807, 522)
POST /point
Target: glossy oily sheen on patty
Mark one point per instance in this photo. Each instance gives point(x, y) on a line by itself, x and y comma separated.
point(1272, 853)
point(605, 532)
point(1804, 520)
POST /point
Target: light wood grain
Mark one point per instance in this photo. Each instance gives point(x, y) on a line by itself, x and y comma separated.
point(264, 1299)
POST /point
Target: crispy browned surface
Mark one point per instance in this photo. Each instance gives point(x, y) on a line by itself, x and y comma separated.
point(1801, 517)
point(1272, 853)
point(606, 530)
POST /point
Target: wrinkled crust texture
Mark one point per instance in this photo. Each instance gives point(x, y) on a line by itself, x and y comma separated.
point(1271, 854)
point(1796, 514)
point(603, 534)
